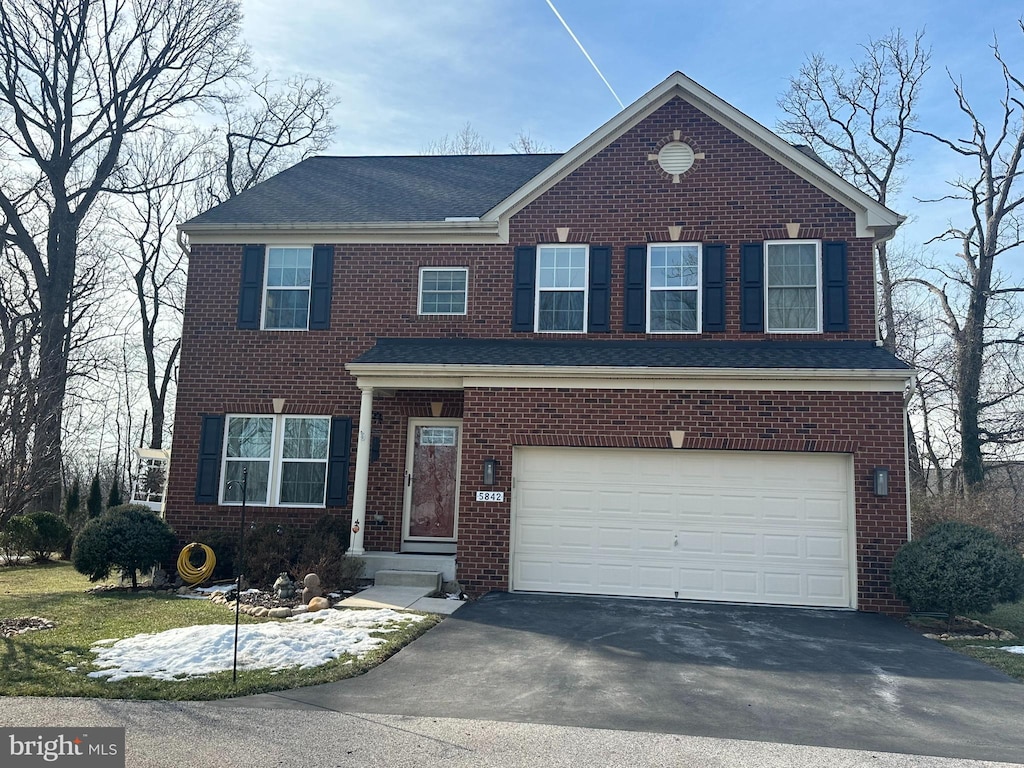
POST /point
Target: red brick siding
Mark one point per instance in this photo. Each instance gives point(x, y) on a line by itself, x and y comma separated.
point(735, 195)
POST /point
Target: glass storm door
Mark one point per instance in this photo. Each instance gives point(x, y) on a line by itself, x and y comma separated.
point(432, 485)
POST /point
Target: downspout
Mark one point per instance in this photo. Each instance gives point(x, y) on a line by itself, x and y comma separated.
point(907, 396)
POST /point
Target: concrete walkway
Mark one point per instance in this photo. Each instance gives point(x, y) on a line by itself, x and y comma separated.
point(414, 598)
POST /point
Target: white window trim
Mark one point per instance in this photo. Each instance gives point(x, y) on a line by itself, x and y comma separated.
point(267, 288)
point(537, 290)
point(276, 460)
point(419, 292)
point(698, 288)
point(819, 294)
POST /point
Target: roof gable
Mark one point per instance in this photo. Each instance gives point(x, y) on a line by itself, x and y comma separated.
point(873, 219)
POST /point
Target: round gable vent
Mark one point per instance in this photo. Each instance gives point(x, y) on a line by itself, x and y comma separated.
point(675, 158)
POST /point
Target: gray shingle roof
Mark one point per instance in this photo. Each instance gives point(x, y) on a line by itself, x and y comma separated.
point(377, 189)
point(838, 355)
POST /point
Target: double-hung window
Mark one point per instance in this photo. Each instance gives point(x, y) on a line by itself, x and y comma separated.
point(286, 458)
point(443, 290)
point(673, 285)
point(793, 286)
point(289, 274)
point(562, 288)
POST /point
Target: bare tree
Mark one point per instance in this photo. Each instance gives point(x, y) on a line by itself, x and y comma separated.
point(858, 122)
point(78, 78)
point(467, 141)
point(160, 165)
point(525, 144)
point(266, 128)
point(982, 311)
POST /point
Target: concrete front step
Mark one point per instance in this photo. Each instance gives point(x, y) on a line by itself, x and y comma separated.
point(398, 598)
point(429, 580)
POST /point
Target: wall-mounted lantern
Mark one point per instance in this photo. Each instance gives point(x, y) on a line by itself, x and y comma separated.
point(490, 472)
point(880, 477)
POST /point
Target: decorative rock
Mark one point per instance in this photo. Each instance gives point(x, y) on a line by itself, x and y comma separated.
point(183, 590)
point(259, 610)
point(319, 604)
point(299, 609)
point(159, 578)
point(312, 588)
point(280, 613)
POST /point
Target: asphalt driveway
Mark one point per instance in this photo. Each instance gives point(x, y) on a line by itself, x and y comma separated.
point(820, 678)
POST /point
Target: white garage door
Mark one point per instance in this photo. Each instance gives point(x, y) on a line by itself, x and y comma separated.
point(702, 525)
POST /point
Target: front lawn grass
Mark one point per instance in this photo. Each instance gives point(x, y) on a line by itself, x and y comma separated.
point(36, 663)
point(1007, 616)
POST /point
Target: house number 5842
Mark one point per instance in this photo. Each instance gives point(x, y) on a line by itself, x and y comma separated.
point(490, 495)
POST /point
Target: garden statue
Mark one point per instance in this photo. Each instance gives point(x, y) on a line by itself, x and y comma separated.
point(284, 587)
point(312, 588)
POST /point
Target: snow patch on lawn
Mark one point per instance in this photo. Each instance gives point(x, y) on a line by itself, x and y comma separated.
point(1013, 648)
point(304, 641)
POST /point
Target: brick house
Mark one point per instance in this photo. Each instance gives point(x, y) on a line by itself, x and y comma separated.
point(645, 367)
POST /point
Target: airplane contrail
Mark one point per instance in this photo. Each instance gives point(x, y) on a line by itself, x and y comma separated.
point(576, 40)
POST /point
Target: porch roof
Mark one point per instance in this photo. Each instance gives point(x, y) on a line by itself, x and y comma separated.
point(759, 355)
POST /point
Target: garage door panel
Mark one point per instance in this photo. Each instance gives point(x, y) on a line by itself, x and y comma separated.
point(826, 588)
point(738, 584)
point(737, 506)
point(654, 506)
point(783, 587)
point(742, 544)
point(824, 510)
point(782, 508)
point(827, 548)
point(570, 537)
point(696, 582)
point(735, 526)
point(617, 540)
point(534, 536)
point(654, 541)
point(696, 543)
point(777, 545)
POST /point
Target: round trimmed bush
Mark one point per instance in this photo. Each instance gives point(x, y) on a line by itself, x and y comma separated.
point(957, 568)
point(130, 537)
point(52, 533)
point(17, 537)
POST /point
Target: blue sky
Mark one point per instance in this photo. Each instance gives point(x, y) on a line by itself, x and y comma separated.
point(408, 72)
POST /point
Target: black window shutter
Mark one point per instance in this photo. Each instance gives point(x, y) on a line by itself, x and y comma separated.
point(714, 288)
point(211, 438)
point(600, 289)
point(524, 278)
point(834, 283)
point(338, 460)
point(320, 288)
point(752, 288)
point(250, 294)
point(635, 319)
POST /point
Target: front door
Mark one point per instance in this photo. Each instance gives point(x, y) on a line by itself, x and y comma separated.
point(430, 522)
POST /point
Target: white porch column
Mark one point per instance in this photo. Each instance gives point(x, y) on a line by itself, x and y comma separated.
point(362, 471)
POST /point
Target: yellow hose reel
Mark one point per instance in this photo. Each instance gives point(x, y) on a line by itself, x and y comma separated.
point(189, 573)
